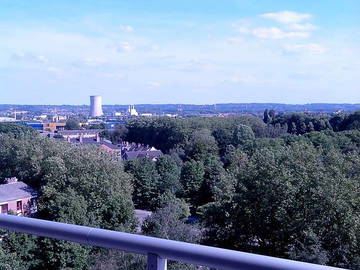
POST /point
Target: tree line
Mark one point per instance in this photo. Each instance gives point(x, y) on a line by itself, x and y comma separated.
point(255, 186)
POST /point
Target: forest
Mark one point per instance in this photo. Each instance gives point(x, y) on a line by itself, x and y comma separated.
point(286, 185)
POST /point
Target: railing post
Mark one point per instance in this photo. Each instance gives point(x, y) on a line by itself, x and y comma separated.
point(154, 262)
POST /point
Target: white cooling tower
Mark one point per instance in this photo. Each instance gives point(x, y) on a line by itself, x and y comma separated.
point(96, 106)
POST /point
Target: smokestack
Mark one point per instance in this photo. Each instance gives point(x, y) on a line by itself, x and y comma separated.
point(96, 106)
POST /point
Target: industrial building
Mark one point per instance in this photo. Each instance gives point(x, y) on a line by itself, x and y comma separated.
point(96, 106)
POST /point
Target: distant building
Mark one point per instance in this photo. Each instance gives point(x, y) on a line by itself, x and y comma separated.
point(152, 155)
point(58, 118)
point(35, 125)
point(41, 117)
point(171, 115)
point(83, 133)
point(124, 150)
point(147, 114)
point(117, 114)
point(96, 106)
point(53, 126)
point(132, 111)
point(131, 151)
point(17, 197)
point(7, 119)
point(104, 144)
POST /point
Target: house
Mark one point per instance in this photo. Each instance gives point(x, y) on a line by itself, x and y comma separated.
point(17, 197)
point(131, 151)
point(123, 150)
point(152, 155)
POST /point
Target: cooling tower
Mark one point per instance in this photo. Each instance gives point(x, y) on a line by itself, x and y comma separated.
point(96, 106)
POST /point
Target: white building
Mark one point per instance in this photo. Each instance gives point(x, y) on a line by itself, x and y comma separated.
point(58, 118)
point(132, 111)
point(117, 114)
point(7, 119)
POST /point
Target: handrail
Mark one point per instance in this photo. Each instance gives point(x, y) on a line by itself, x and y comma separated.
point(157, 250)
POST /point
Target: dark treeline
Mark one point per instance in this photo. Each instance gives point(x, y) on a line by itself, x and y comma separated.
point(242, 183)
point(301, 123)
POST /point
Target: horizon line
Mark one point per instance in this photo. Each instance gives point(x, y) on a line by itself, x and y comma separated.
point(192, 104)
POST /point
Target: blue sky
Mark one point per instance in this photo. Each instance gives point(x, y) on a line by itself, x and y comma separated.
point(157, 51)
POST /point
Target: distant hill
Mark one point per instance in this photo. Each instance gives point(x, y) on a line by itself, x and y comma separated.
point(191, 109)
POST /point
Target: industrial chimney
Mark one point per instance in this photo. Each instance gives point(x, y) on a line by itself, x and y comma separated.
point(96, 106)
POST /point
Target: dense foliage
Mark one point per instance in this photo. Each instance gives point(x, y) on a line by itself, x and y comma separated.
point(257, 188)
point(15, 129)
point(77, 185)
point(285, 186)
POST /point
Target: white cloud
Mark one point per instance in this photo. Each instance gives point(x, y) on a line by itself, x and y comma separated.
point(287, 17)
point(304, 48)
point(29, 58)
point(88, 61)
point(239, 79)
point(197, 65)
point(113, 75)
point(235, 40)
point(125, 47)
point(277, 33)
point(302, 27)
point(243, 29)
point(55, 71)
point(242, 26)
point(154, 84)
point(126, 28)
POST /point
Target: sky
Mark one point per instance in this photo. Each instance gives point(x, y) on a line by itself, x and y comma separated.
point(161, 51)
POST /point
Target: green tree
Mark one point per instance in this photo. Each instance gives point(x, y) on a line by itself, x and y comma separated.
point(302, 128)
point(281, 193)
point(310, 127)
point(243, 135)
point(266, 118)
point(293, 128)
point(168, 223)
point(10, 261)
point(72, 124)
point(24, 246)
point(192, 175)
point(117, 135)
point(69, 177)
point(169, 175)
point(146, 182)
point(201, 144)
point(16, 129)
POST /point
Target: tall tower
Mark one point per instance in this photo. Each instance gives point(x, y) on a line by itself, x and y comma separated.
point(96, 106)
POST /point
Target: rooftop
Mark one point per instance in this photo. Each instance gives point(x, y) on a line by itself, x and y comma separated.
point(79, 131)
point(15, 191)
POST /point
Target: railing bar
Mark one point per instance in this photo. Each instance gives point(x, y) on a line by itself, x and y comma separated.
point(172, 250)
point(154, 262)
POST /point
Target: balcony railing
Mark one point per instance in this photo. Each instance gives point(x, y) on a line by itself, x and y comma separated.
point(157, 250)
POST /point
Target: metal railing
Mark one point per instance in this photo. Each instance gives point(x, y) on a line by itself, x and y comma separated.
point(157, 250)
